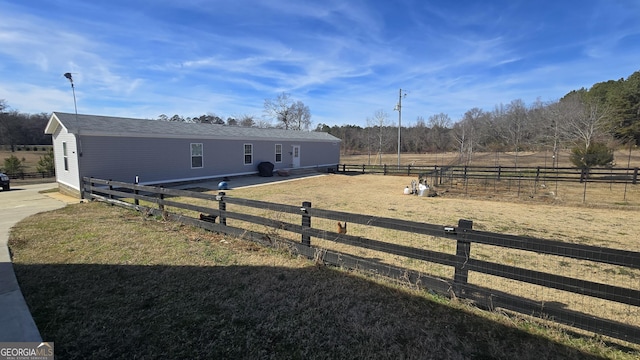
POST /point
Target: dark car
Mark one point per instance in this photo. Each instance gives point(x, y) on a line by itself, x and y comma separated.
point(4, 182)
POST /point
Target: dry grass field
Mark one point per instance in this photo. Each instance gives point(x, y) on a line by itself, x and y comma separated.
point(30, 158)
point(606, 226)
point(146, 280)
point(104, 282)
point(524, 159)
point(550, 192)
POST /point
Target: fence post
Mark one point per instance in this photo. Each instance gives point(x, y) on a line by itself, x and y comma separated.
point(344, 166)
point(409, 170)
point(384, 169)
point(110, 189)
point(135, 192)
point(222, 206)
point(363, 167)
point(635, 176)
point(583, 174)
point(463, 252)
point(161, 197)
point(499, 171)
point(84, 188)
point(306, 223)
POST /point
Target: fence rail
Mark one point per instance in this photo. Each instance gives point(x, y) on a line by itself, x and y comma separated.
point(438, 174)
point(31, 175)
point(461, 262)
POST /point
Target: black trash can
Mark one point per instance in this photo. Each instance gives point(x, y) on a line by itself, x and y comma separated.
point(265, 169)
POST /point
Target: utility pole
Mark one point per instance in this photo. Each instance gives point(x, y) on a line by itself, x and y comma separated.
point(399, 108)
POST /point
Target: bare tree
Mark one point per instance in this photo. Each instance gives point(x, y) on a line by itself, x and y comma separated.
point(4, 124)
point(288, 113)
point(379, 123)
point(516, 126)
point(439, 134)
point(300, 116)
point(582, 119)
point(416, 137)
point(278, 109)
point(548, 126)
point(465, 133)
point(245, 120)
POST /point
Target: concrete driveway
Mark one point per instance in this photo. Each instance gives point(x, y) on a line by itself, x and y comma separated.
point(15, 205)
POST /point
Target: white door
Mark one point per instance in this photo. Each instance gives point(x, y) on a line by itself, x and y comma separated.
point(296, 156)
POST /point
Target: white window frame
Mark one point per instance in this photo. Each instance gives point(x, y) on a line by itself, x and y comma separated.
point(250, 154)
point(196, 155)
point(278, 153)
point(65, 156)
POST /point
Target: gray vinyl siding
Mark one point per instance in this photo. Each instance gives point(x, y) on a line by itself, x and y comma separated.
point(318, 154)
point(159, 151)
point(162, 160)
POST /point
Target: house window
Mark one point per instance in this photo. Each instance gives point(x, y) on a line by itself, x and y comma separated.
point(65, 157)
point(196, 155)
point(278, 153)
point(248, 154)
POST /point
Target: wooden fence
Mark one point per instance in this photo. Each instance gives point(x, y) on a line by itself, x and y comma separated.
point(231, 213)
point(439, 174)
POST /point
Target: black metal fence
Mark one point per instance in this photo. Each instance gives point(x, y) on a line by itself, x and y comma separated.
point(609, 306)
point(567, 184)
point(31, 175)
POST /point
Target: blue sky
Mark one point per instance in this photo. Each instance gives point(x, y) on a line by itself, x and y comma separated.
point(344, 59)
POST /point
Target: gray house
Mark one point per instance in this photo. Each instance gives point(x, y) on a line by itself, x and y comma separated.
point(162, 152)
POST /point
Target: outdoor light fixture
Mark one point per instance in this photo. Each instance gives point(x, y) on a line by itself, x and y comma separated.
point(75, 105)
point(73, 88)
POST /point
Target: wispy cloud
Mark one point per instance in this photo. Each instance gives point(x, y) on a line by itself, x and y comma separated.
point(343, 59)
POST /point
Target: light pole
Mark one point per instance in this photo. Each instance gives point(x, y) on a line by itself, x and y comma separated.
point(399, 108)
point(75, 105)
point(68, 76)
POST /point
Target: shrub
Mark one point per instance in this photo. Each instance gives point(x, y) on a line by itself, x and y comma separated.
point(13, 165)
point(46, 164)
point(597, 154)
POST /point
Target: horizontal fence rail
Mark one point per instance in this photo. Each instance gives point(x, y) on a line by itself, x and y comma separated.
point(31, 175)
point(461, 261)
point(437, 174)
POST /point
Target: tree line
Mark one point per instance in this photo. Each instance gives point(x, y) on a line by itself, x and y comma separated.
point(18, 128)
point(590, 122)
point(288, 114)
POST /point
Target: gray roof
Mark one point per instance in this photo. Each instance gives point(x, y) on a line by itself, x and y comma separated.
point(128, 127)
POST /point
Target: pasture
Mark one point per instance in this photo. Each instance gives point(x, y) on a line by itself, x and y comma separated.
point(523, 158)
point(105, 282)
point(30, 157)
point(138, 271)
point(606, 226)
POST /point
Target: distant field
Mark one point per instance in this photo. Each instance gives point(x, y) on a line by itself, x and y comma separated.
point(30, 157)
point(485, 159)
